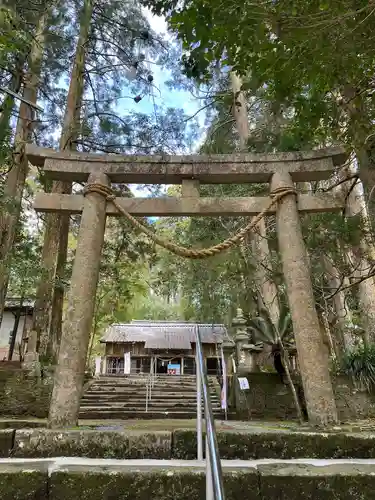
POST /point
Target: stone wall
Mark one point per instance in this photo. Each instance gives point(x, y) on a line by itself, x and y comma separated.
point(267, 399)
point(24, 395)
point(351, 403)
point(58, 480)
point(253, 443)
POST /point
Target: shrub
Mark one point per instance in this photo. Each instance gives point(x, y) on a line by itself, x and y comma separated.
point(359, 363)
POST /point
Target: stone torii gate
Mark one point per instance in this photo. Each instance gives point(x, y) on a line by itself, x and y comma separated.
point(281, 170)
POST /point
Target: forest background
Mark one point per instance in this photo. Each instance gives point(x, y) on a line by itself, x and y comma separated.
point(108, 77)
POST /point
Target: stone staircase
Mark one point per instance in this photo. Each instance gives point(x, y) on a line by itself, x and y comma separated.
point(124, 397)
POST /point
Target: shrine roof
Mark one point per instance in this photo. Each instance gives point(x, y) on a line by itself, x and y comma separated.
point(164, 334)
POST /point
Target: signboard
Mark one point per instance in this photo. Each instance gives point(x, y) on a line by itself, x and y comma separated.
point(244, 383)
point(174, 369)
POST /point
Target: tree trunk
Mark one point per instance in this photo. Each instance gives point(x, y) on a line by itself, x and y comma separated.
point(343, 317)
point(266, 287)
point(58, 295)
point(361, 257)
point(17, 318)
point(360, 128)
point(240, 111)
point(8, 102)
point(16, 178)
point(292, 387)
point(57, 227)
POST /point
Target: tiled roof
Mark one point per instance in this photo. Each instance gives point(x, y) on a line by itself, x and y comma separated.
point(164, 334)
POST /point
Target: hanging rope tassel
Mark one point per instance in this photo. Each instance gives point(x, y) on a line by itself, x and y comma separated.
point(190, 253)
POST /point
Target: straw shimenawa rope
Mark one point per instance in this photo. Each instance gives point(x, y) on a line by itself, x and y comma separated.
point(190, 253)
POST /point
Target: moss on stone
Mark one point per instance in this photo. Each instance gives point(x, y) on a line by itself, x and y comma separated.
point(24, 395)
point(161, 485)
point(23, 485)
point(266, 398)
point(305, 482)
point(92, 444)
point(6, 442)
point(22, 424)
point(278, 444)
point(182, 444)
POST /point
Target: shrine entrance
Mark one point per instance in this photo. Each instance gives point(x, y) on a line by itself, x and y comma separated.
point(97, 201)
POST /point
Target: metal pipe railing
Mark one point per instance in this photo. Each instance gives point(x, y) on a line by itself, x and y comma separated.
point(214, 474)
point(150, 382)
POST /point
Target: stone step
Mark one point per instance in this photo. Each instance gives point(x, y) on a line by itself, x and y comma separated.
point(132, 397)
point(101, 414)
point(161, 392)
point(130, 388)
point(170, 391)
point(144, 381)
point(142, 394)
point(125, 398)
point(137, 376)
point(155, 390)
point(83, 478)
point(162, 405)
point(176, 378)
point(140, 399)
point(141, 404)
point(142, 407)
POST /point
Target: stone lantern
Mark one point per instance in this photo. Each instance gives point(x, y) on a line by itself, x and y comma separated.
point(246, 353)
point(31, 359)
point(228, 347)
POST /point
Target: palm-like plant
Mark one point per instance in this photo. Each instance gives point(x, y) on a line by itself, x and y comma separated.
point(359, 363)
point(280, 338)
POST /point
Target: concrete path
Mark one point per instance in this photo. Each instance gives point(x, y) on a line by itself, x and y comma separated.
point(71, 464)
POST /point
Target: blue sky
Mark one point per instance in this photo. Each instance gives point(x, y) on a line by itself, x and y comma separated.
point(166, 97)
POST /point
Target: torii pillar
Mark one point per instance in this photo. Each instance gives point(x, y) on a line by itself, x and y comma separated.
point(312, 356)
point(70, 371)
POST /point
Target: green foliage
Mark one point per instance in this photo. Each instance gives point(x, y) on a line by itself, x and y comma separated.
point(25, 268)
point(359, 364)
point(303, 92)
point(325, 80)
point(265, 331)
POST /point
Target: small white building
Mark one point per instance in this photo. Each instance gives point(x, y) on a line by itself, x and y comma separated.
point(14, 312)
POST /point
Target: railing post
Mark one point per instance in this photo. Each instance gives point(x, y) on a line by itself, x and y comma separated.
point(213, 462)
point(199, 408)
point(209, 485)
point(146, 395)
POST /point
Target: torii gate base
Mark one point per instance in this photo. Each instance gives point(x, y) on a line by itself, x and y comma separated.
point(281, 169)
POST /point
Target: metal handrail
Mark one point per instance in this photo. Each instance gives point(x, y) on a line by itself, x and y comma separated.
point(150, 382)
point(214, 474)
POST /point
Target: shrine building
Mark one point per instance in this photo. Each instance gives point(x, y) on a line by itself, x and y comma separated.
point(169, 346)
